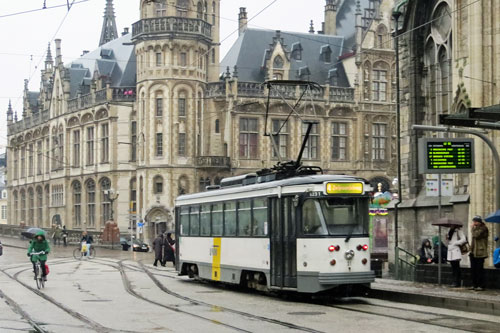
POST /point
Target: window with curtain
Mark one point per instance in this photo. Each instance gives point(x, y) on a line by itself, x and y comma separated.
point(379, 141)
point(281, 140)
point(77, 204)
point(379, 83)
point(90, 203)
point(248, 138)
point(311, 150)
point(104, 143)
point(76, 148)
point(159, 144)
point(339, 141)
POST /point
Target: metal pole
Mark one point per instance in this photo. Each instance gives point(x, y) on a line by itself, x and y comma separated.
point(439, 229)
point(396, 16)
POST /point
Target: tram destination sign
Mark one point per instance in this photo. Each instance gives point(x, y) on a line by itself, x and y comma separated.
point(446, 155)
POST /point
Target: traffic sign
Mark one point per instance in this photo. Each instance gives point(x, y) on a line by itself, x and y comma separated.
point(446, 155)
point(140, 224)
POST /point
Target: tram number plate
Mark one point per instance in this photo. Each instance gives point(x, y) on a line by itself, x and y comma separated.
point(315, 194)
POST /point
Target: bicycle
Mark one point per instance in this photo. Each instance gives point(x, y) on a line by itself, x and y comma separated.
point(81, 252)
point(40, 283)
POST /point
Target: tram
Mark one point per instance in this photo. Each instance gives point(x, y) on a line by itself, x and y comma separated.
point(306, 233)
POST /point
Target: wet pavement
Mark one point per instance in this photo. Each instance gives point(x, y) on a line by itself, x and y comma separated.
point(122, 292)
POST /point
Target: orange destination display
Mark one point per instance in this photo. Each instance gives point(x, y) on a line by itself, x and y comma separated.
point(344, 188)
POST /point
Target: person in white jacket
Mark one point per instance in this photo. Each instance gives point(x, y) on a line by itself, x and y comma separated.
point(455, 238)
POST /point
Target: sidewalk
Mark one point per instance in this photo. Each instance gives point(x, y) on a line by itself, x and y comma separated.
point(487, 301)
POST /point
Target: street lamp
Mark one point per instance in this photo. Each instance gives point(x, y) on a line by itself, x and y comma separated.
point(112, 196)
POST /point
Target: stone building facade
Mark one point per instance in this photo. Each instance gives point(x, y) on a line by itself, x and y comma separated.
point(105, 135)
point(449, 62)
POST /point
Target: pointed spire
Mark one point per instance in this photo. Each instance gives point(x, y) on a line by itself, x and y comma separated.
point(9, 113)
point(311, 27)
point(109, 31)
point(49, 55)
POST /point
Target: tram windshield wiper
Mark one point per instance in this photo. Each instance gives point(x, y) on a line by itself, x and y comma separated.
point(350, 233)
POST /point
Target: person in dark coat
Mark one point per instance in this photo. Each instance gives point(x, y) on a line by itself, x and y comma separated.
point(169, 250)
point(158, 248)
point(426, 252)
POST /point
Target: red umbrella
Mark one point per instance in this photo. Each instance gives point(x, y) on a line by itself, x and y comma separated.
point(447, 222)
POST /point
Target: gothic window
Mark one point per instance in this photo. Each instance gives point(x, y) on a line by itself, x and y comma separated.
point(133, 141)
point(281, 140)
point(39, 158)
point(159, 58)
point(182, 144)
point(158, 185)
point(181, 104)
point(278, 62)
point(213, 12)
point(104, 143)
point(379, 138)
point(339, 141)
point(23, 162)
point(31, 160)
point(159, 106)
point(31, 202)
point(23, 206)
point(248, 137)
point(39, 199)
point(90, 186)
point(106, 202)
point(205, 10)
point(199, 10)
point(76, 148)
point(90, 145)
point(445, 84)
point(379, 82)
point(311, 150)
point(381, 41)
point(133, 195)
point(47, 155)
point(77, 203)
point(16, 206)
point(159, 144)
point(183, 59)
point(217, 126)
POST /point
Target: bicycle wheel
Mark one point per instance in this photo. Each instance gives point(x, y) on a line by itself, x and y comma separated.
point(77, 254)
point(38, 276)
point(92, 253)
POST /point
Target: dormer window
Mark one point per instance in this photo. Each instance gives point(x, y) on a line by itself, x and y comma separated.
point(278, 62)
point(333, 77)
point(304, 72)
point(326, 53)
point(296, 51)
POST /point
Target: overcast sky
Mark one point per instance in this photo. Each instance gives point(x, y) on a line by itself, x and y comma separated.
point(24, 37)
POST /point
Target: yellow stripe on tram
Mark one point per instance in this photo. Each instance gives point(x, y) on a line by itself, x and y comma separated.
point(216, 252)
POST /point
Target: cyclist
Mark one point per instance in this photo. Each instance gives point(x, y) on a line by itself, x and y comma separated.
point(39, 244)
point(87, 239)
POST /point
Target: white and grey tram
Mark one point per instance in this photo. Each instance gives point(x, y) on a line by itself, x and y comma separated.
point(305, 233)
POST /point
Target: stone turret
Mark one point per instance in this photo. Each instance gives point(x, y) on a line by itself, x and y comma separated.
point(10, 114)
point(49, 63)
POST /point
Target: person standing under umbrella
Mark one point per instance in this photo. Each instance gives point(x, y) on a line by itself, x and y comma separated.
point(479, 252)
point(455, 238)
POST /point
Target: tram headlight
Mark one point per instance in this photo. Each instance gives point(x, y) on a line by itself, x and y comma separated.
point(349, 254)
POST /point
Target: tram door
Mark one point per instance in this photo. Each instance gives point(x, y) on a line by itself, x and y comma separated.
point(283, 243)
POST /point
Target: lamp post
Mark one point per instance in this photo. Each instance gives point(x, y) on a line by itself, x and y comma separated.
point(396, 14)
point(112, 196)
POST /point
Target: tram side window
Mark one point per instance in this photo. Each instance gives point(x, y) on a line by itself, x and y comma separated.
point(244, 218)
point(259, 217)
point(194, 225)
point(184, 221)
point(230, 219)
point(311, 220)
point(205, 220)
point(217, 220)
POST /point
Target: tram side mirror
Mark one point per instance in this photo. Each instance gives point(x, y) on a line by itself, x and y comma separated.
point(296, 201)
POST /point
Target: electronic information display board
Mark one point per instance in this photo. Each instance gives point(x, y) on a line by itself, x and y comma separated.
point(446, 155)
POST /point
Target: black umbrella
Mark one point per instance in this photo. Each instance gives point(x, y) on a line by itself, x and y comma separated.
point(31, 232)
point(447, 222)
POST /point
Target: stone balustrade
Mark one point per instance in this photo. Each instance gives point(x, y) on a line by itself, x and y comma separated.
point(213, 162)
point(168, 24)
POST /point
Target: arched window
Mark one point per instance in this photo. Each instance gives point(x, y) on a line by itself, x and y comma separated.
point(278, 62)
point(106, 202)
point(23, 206)
point(181, 104)
point(31, 202)
point(214, 8)
point(445, 84)
point(199, 10)
point(205, 10)
point(90, 186)
point(47, 203)
point(16, 206)
point(77, 204)
point(217, 126)
point(158, 185)
point(381, 41)
point(39, 199)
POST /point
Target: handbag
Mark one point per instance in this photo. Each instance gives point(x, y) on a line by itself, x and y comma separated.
point(47, 271)
point(465, 247)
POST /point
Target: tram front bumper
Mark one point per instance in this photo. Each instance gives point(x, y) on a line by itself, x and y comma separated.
point(312, 282)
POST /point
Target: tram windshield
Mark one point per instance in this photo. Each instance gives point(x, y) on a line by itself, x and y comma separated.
point(335, 216)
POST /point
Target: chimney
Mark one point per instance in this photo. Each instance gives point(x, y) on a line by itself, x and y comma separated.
point(330, 17)
point(125, 31)
point(84, 52)
point(243, 20)
point(58, 52)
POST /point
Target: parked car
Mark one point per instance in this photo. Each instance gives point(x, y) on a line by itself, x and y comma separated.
point(138, 245)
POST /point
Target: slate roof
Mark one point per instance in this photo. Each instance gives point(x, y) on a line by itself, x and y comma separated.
point(115, 59)
point(346, 21)
point(251, 48)
point(33, 100)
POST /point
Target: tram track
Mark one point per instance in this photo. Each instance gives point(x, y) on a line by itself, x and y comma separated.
point(87, 321)
point(16, 307)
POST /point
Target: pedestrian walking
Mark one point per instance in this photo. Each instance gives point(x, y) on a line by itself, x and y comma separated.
point(158, 248)
point(169, 250)
point(455, 238)
point(53, 233)
point(57, 235)
point(479, 252)
point(65, 236)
